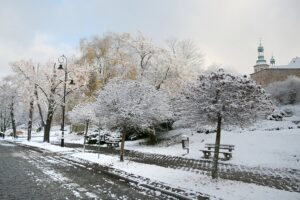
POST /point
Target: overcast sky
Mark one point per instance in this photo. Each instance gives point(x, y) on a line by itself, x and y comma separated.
point(227, 32)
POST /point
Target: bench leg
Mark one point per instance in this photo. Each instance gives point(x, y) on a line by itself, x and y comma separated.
point(227, 156)
point(206, 155)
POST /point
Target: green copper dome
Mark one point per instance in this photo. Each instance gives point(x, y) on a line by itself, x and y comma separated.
point(272, 61)
point(261, 57)
point(260, 48)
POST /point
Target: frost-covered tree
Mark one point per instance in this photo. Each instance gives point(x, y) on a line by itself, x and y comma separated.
point(26, 74)
point(45, 86)
point(108, 56)
point(4, 111)
point(9, 89)
point(174, 64)
point(143, 51)
point(133, 57)
point(83, 114)
point(132, 105)
point(220, 97)
point(286, 92)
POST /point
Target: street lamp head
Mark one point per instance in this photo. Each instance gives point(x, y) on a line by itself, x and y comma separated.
point(62, 60)
point(72, 82)
point(60, 66)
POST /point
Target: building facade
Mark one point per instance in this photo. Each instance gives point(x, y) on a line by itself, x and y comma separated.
point(265, 73)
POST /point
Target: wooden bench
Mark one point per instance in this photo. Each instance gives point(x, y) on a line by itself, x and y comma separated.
point(228, 147)
point(207, 154)
point(112, 143)
point(227, 154)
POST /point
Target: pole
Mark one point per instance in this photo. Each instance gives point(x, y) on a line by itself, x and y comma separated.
point(64, 103)
point(99, 142)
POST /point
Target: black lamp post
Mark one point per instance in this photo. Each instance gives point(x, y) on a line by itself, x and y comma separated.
point(64, 61)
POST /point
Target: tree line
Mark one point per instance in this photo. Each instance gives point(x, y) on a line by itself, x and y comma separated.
point(128, 83)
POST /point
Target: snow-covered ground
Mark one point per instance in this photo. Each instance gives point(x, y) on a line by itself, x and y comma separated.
point(260, 145)
point(224, 189)
point(55, 136)
point(276, 149)
point(272, 144)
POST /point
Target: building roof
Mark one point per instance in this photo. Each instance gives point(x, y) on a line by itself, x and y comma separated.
point(295, 63)
point(276, 68)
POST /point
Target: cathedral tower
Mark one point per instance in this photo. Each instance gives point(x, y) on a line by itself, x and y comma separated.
point(261, 63)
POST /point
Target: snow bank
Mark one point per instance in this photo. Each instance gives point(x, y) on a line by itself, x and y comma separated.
point(47, 146)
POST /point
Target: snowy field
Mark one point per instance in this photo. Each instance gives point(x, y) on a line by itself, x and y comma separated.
point(276, 149)
point(260, 145)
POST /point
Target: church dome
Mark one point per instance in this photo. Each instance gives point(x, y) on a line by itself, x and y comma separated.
point(260, 58)
point(260, 48)
point(272, 61)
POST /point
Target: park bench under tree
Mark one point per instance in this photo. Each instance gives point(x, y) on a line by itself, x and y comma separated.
point(210, 149)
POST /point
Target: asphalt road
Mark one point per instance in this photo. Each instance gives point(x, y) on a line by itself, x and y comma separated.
point(27, 174)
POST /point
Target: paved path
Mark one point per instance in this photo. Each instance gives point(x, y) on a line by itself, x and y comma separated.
point(284, 179)
point(27, 174)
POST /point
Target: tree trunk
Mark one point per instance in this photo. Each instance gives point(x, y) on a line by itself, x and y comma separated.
point(39, 106)
point(12, 117)
point(48, 126)
point(51, 109)
point(30, 120)
point(85, 134)
point(2, 123)
point(122, 146)
point(164, 78)
point(5, 121)
point(214, 172)
point(41, 115)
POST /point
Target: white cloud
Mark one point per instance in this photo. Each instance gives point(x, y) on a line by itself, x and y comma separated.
point(42, 48)
point(227, 32)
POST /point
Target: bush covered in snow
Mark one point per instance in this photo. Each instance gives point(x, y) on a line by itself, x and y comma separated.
point(286, 92)
point(205, 129)
point(278, 115)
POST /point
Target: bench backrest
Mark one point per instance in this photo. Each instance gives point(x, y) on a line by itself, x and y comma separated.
point(222, 146)
point(112, 141)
